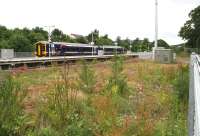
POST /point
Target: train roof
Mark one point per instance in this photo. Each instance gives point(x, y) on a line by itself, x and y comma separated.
point(78, 44)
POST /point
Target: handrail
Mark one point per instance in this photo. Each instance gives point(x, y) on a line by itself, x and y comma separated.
point(194, 96)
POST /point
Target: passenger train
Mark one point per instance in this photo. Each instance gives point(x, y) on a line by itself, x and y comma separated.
point(44, 49)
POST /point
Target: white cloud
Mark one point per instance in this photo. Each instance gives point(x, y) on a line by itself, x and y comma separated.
point(127, 18)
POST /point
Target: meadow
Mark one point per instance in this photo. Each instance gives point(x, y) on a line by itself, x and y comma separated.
point(120, 97)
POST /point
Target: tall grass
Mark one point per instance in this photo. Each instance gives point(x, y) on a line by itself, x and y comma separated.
point(176, 122)
point(156, 106)
point(87, 78)
point(12, 116)
point(60, 111)
point(117, 83)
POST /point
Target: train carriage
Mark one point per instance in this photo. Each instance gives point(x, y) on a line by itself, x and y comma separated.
point(44, 49)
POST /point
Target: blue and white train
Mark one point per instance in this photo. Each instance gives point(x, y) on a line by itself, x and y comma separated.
point(44, 49)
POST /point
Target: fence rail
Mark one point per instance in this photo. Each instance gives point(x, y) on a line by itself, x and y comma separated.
point(194, 96)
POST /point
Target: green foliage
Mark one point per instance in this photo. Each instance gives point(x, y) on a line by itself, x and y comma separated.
point(123, 43)
point(4, 33)
point(4, 44)
point(136, 45)
point(104, 40)
point(190, 30)
point(94, 35)
point(12, 117)
point(23, 40)
point(20, 43)
point(155, 107)
point(117, 83)
point(145, 45)
point(181, 84)
point(162, 43)
point(81, 39)
point(176, 122)
point(58, 36)
point(87, 78)
point(60, 112)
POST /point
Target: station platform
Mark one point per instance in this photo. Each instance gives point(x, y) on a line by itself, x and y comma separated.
point(31, 61)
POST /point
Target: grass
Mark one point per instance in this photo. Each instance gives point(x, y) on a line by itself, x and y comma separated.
point(128, 97)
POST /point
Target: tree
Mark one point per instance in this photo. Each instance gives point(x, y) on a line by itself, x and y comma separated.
point(161, 43)
point(41, 31)
point(81, 39)
point(95, 35)
point(104, 40)
point(20, 43)
point(4, 37)
point(135, 45)
point(123, 43)
point(57, 35)
point(35, 37)
point(4, 33)
point(146, 44)
point(4, 44)
point(191, 29)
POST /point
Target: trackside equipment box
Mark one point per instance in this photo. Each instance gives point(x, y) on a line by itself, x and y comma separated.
point(6, 53)
point(163, 55)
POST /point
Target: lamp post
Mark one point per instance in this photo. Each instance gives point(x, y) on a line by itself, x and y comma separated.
point(49, 37)
point(92, 38)
point(156, 28)
point(116, 44)
point(156, 23)
point(92, 43)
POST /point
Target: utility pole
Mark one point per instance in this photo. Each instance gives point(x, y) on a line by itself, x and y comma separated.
point(92, 43)
point(49, 37)
point(156, 28)
point(156, 23)
point(92, 38)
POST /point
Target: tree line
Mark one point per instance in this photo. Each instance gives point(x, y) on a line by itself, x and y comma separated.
point(23, 40)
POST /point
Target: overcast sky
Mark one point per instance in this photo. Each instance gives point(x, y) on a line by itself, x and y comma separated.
point(126, 18)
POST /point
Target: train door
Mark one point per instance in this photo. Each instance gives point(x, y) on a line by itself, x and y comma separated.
point(41, 50)
point(53, 51)
point(38, 53)
point(100, 51)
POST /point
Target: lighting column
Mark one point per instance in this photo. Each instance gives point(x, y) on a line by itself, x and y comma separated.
point(156, 28)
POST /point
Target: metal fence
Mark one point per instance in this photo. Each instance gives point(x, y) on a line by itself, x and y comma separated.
point(23, 54)
point(144, 55)
point(194, 96)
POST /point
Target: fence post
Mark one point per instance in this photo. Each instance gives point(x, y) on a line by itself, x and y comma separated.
point(191, 109)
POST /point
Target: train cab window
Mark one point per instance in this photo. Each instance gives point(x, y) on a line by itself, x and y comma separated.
point(42, 47)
